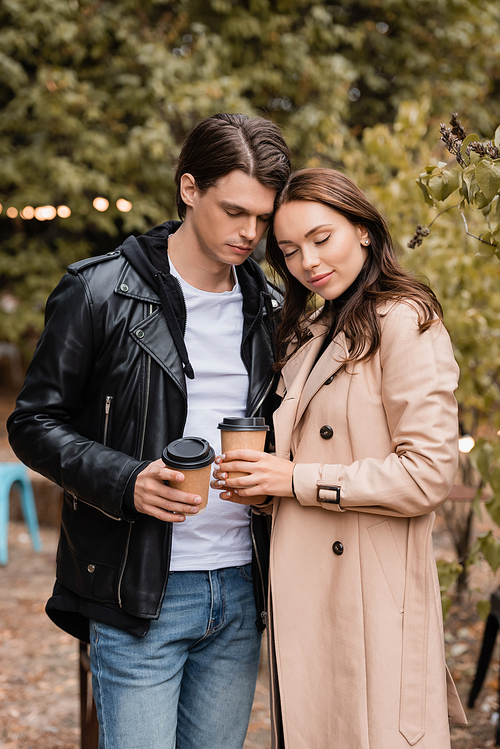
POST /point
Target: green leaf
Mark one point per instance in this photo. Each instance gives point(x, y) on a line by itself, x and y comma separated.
point(491, 549)
point(483, 609)
point(425, 191)
point(476, 508)
point(472, 138)
point(447, 573)
point(488, 177)
point(493, 507)
point(446, 602)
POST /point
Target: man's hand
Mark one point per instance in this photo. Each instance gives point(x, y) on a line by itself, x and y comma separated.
point(153, 497)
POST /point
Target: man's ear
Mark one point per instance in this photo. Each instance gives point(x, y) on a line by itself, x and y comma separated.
point(188, 189)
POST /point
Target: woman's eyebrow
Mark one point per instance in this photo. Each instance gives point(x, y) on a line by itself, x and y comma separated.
point(308, 234)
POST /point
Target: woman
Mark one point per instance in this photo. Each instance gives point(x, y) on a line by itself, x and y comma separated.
point(366, 449)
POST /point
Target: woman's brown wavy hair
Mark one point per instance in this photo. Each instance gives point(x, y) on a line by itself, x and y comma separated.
point(381, 279)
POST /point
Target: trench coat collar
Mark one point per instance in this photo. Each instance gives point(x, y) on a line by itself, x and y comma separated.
point(302, 378)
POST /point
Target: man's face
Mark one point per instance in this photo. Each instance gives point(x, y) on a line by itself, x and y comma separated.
point(229, 219)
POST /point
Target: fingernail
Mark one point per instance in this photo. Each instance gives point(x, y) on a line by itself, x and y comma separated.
point(197, 500)
point(195, 509)
point(179, 477)
point(235, 491)
point(221, 483)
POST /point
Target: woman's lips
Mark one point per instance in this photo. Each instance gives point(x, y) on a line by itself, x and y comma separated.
point(320, 280)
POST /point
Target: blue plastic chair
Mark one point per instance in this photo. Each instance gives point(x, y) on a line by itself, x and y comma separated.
point(10, 474)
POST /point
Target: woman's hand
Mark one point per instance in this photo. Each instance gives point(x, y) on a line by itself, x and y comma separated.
point(267, 475)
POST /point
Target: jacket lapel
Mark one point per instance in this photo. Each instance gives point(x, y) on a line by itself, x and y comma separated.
point(152, 334)
point(329, 364)
point(301, 384)
point(294, 375)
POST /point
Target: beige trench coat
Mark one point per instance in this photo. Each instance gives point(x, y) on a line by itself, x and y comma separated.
point(356, 637)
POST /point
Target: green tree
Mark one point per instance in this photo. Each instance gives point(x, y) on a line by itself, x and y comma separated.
point(97, 95)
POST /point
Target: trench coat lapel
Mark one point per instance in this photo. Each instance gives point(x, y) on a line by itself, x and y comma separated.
point(329, 364)
point(301, 384)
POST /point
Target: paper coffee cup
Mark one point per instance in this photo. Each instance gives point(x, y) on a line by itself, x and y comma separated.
point(245, 433)
point(192, 456)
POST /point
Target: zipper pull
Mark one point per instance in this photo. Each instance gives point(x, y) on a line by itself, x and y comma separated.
point(75, 501)
point(107, 405)
point(263, 616)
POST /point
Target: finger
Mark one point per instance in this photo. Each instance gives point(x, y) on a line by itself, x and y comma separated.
point(244, 466)
point(249, 455)
point(176, 495)
point(168, 517)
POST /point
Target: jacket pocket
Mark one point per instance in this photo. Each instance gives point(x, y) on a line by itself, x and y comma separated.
point(386, 549)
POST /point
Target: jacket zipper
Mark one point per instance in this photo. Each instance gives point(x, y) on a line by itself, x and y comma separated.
point(79, 499)
point(141, 448)
point(107, 408)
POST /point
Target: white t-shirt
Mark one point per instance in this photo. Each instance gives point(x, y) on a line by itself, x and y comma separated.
point(219, 536)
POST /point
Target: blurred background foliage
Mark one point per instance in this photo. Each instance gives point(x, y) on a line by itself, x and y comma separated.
point(96, 97)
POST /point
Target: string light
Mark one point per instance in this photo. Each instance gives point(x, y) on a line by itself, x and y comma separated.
point(28, 212)
point(100, 204)
point(466, 443)
point(12, 212)
point(123, 205)
point(63, 211)
point(45, 213)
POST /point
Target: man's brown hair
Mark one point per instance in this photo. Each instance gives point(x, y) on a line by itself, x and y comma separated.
point(225, 142)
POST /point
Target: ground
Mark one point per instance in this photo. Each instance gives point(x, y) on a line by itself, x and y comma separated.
point(39, 706)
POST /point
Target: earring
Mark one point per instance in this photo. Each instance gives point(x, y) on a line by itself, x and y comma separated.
point(366, 242)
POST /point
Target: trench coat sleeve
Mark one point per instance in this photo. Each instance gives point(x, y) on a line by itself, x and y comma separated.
point(419, 377)
point(40, 429)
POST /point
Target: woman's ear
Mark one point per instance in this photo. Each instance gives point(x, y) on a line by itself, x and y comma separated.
point(364, 237)
point(187, 189)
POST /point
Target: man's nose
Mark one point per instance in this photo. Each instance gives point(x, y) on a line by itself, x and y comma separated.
point(249, 228)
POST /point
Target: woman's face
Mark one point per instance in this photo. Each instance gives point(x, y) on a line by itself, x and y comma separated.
point(322, 249)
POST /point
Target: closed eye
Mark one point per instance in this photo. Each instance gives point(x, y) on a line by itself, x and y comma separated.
point(322, 241)
point(289, 254)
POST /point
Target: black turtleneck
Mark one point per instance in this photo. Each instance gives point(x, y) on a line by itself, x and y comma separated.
point(335, 307)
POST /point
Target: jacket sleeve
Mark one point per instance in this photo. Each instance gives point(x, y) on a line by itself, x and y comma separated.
point(40, 428)
point(419, 377)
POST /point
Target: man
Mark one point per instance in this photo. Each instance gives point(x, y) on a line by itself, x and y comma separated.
point(140, 347)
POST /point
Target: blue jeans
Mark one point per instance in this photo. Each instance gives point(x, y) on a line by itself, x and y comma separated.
point(189, 683)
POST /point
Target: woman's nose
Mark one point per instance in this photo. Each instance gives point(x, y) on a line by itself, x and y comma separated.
point(309, 259)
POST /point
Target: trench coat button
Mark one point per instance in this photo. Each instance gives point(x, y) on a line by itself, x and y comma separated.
point(338, 548)
point(329, 380)
point(124, 287)
point(91, 568)
point(139, 334)
point(326, 432)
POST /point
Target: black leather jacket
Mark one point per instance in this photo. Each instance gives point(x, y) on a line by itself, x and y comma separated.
point(105, 392)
